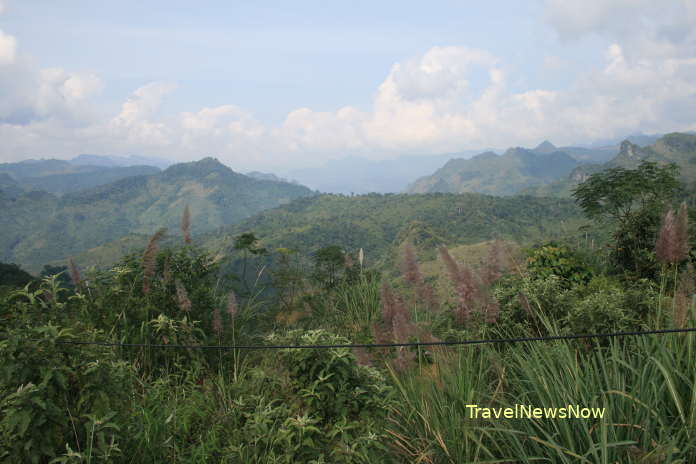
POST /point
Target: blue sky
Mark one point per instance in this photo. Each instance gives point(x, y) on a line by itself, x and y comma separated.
point(269, 84)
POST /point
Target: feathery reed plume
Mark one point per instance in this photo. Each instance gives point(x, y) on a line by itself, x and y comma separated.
point(464, 284)
point(362, 356)
point(412, 274)
point(361, 257)
point(348, 261)
point(232, 305)
point(496, 262)
point(395, 316)
point(450, 263)
point(149, 258)
point(672, 244)
point(387, 303)
point(186, 224)
point(167, 271)
point(182, 298)
point(217, 322)
point(492, 309)
point(682, 297)
point(402, 330)
point(666, 245)
point(681, 233)
point(74, 274)
point(409, 266)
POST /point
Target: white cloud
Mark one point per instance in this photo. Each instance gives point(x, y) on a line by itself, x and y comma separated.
point(8, 48)
point(431, 103)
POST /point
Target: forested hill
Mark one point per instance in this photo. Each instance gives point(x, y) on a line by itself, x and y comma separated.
point(377, 222)
point(507, 174)
point(37, 228)
point(678, 148)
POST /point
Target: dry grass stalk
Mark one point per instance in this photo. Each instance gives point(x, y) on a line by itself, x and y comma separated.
point(665, 247)
point(497, 262)
point(182, 298)
point(362, 356)
point(232, 307)
point(149, 258)
point(672, 244)
point(186, 224)
point(167, 271)
point(412, 274)
point(217, 322)
point(387, 303)
point(682, 297)
point(74, 274)
point(396, 326)
point(681, 233)
point(473, 292)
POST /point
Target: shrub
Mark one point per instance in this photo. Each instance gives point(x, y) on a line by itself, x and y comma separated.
point(559, 260)
point(56, 397)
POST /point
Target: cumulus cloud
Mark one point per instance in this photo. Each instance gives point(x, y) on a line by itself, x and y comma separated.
point(431, 103)
point(8, 48)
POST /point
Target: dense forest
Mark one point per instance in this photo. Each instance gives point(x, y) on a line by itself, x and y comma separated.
point(148, 359)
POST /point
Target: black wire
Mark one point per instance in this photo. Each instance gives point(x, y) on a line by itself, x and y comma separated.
point(383, 345)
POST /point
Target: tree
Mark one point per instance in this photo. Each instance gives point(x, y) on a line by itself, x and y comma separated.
point(12, 275)
point(328, 261)
point(618, 193)
point(247, 243)
point(634, 200)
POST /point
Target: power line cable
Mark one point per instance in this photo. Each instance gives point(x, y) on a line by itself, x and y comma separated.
point(382, 345)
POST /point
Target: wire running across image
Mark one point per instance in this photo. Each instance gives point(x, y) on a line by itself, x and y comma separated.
point(383, 345)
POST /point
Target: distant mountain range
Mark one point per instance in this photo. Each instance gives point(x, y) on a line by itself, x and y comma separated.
point(60, 177)
point(547, 170)
point(678, 148)
point(39, 227)
point(359, 175)
point(507, 174)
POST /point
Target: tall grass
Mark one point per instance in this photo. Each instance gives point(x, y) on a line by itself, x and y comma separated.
point(646, 385)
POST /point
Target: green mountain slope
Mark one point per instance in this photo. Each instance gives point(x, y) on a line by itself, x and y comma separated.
point(38, 228)
point(679, 148)
point(507, 174)
point(378, 223)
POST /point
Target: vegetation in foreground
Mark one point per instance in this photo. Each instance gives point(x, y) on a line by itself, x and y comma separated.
point(177, 402)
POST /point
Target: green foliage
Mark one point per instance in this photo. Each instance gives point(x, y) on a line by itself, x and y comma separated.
point(12, 275)
point(617, 193)
point(554, 259)
point(328, 262)
point(54, 395)
point(336, 406)
point(634, 199)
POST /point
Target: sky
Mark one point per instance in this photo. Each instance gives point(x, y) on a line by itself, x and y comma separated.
point(275, 85)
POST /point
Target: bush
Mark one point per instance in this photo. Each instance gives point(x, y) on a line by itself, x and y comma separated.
point(55, 396)
point(330, 409)
point(559, 260)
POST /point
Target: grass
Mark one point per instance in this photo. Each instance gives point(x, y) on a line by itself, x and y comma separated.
point(646, 385)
